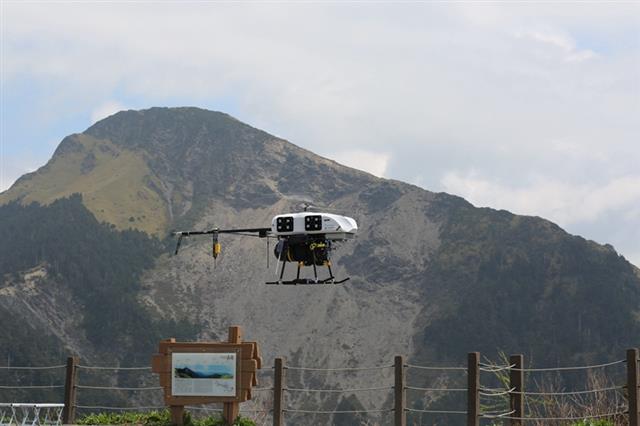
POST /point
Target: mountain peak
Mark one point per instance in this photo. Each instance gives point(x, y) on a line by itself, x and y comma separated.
point(181, 126)
point(164, 164)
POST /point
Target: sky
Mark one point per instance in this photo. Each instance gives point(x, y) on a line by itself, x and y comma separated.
point(532, 107)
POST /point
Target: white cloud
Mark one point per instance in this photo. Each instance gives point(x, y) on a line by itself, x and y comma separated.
point(562, 42)
point(371, 162)
point(558, 40)
point(607, 212)
point(105, 110)
point(11, 168)
point(562, 202)
point(6, 180)
point(581, 55)
point(633, 258)
point(511, 91)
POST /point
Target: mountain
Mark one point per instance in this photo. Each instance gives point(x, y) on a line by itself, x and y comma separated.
point(432, 277)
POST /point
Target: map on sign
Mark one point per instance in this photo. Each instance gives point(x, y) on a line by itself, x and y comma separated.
point(203, 374)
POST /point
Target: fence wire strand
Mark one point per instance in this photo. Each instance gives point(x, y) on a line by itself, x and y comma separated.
point(424, 367)
point(592, 416)
point(339, 390)
point(416, 410)
point(492, 392)
point(33, 387)
point(288, 410)
point(88, 367)
point(488, 368)
point(583, 367)
point(337, 369)
point(496, 416)
point(98, 407)
point(49, 367)
point(581, 392)
point(119, 388)
point(417, 388)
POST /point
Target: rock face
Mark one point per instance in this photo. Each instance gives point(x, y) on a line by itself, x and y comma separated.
point(432, 277)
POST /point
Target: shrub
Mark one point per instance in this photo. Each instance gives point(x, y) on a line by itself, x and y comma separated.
point(154, 418)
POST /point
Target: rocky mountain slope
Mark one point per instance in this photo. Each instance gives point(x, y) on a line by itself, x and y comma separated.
point(432, 277)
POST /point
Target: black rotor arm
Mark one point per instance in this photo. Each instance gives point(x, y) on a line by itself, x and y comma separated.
point(248, 232)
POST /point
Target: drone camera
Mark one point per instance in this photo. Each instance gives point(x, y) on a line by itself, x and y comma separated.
point(285, 224)
point(313, 223)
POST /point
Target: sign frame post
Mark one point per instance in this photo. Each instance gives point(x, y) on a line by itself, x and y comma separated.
point(231, 410)
point(202, 374)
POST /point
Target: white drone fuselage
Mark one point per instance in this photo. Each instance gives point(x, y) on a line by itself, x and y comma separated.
point(332, 226)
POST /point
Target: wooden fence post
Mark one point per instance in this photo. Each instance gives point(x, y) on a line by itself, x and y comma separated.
point(473, 389)
point(632, 386)
point(69, 411)
point(516, 382)
point(400, 404)
point(278, 389)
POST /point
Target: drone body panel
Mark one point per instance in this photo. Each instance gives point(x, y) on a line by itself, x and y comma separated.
point(333, 226)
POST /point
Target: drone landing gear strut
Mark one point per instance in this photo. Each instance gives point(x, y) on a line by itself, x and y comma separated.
point(301, 281)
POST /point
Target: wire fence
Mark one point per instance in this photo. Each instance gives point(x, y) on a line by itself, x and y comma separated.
point(126, 388)
point(20, 384)
point(400, 393)
point(25, 381)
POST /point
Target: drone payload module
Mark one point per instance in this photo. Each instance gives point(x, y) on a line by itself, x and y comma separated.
point(306, 238)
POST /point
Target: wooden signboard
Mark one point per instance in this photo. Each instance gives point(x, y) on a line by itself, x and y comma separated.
point(207, 372)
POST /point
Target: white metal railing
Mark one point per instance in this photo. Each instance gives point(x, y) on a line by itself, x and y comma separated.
point(23, 414)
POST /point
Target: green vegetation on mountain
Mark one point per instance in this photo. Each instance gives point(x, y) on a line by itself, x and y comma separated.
point(522, 285)
point(100, 265)
point(116, 184)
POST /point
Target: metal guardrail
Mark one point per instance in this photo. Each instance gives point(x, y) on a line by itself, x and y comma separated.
point(22, 414)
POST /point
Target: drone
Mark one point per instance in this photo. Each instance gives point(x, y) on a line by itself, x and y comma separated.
point(306, 238)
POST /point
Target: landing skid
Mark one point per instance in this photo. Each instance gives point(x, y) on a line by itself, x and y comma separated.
point(308, 281)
